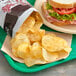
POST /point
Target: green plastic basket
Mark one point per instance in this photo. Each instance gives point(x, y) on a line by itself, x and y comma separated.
point(22, 67)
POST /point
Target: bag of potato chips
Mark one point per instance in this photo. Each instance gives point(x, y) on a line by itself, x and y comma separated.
point(13, 14)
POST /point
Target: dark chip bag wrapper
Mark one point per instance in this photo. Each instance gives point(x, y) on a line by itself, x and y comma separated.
point(13, 14)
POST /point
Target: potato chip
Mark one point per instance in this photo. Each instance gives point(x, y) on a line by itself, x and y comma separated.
point(17, 41)
point(34, 35)
point(62, 54)
point(42, 32)
point(23, 50)
point(68, 49)
point(50, 33)
point(38, 20)
point(22, 37)
point(49, 56)
point(37, 16)
point(38, 24)
point(36, 50)
point(30, 61)
point(28, 23)
point(52, 44)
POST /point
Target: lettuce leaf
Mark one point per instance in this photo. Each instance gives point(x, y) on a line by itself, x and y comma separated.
point(48, 6)
point(73, 15)
point(69, 17)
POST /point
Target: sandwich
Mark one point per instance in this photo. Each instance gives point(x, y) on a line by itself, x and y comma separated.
point(60, 12)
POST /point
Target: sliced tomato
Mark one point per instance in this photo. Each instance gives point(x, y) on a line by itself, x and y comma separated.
point(63, 11)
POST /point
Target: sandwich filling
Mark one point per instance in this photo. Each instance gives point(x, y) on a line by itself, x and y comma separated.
point(62, 14)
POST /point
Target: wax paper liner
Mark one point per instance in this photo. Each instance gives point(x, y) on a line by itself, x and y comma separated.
point(23, 68)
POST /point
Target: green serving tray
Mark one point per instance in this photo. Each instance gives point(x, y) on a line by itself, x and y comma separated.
point(22, 67)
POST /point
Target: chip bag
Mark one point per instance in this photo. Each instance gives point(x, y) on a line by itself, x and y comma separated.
point(13, 15)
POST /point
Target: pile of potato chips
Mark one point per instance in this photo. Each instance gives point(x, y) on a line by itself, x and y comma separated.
point(35, 46)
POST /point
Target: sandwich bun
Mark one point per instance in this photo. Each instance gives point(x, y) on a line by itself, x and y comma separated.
point(62, 3)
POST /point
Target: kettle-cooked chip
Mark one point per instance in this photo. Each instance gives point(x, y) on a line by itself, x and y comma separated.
point(52, 44)
point(23, 50)
point(30, 61)
point(49, 56)
point(22, 37)
point(42, 32)
point(68, 49)
point(34, 35)
point(38, 24)
point(62, 54)
point(51, 34)
point(38, 20)
point(37, 16)
point(17, 41)
point(28, 23)
point(36, 50)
